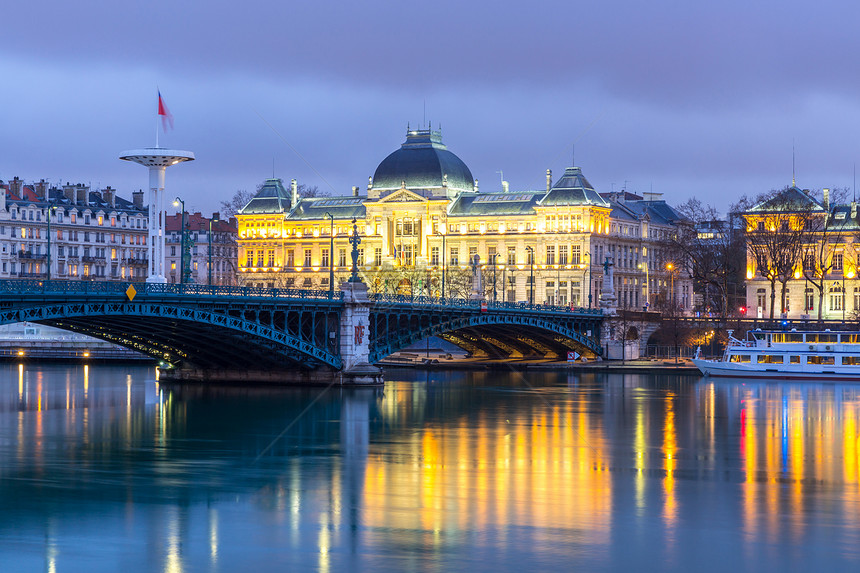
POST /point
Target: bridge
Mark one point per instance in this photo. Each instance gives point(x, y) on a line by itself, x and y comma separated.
point(232, 333)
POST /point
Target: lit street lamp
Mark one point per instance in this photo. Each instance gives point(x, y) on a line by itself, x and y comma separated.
point(671, 268)
point(214, 218)
point(184, 272)
point(330, 256)
point(494, 275)
point(531, 252)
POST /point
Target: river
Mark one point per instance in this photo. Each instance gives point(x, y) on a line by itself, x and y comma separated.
point(103, 469)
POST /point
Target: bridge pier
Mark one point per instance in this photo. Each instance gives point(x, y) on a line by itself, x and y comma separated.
point(355, 337)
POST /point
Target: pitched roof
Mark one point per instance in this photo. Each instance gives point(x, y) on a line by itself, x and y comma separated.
point(572, 189)
point(271, 198)
point(495, 204)
point(349, 207)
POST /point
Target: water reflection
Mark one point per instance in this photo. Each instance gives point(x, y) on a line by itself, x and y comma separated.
point(104, 468)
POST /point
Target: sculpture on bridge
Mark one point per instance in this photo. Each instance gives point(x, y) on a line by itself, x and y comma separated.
point(477, 284)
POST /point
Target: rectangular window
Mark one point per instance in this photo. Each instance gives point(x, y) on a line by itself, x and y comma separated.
point(341, 257)
point(550, 254)
point(837, 262)
point(377, 257)
point(434, 256)
point(260, 260)
point(324, 258)
point(739, 358)
point(455, 256)
point(794, 359)
point(291, 258)
point(769, 359)
point(823, 360)
point(271, 257)
point(530, 256)
point(512, 255)
point(307, 257)
point(562, 254)
point(851, 360)
point(810, 300)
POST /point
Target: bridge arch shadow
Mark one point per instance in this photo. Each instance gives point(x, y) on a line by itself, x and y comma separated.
point(178, 334)
point(494, 336)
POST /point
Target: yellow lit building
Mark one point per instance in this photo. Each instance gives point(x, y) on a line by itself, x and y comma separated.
point(423, 222)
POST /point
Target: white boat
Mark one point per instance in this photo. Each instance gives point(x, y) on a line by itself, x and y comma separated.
point(812, 355)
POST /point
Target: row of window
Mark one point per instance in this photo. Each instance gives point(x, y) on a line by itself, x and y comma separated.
point(779, 359)
point(59, 217)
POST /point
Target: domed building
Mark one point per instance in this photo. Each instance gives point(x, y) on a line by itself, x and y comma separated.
point(422, 164)
point(423, 225)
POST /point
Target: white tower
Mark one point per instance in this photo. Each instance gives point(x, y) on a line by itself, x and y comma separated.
point(158, 160)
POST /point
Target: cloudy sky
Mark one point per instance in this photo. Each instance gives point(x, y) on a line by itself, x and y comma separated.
point(683, 98)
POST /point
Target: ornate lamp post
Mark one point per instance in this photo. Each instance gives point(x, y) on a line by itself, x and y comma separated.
point(531, 252)
point(331, 256)
point(185, 268)
point(355, 240)
point(214, 218)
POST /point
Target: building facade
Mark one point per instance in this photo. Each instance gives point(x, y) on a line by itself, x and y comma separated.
point(427, 229)
point(803, 256)
point(71, 233)
point(210, 241)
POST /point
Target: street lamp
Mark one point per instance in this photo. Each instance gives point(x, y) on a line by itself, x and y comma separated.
point(531, 252)
point(444, 254)
point(330, 256)
point(183, 272)
point(51, 209)
point(671, 268)
point(494, 276)
point(213, 218)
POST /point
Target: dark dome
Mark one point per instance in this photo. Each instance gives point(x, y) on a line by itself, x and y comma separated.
point(423, 162)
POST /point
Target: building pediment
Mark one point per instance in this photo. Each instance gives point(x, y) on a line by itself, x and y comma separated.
point(404, 196)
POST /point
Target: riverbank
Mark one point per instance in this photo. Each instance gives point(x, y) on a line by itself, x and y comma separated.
point(662, 365)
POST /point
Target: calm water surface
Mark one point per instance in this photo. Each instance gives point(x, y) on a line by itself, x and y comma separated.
point(104, 470)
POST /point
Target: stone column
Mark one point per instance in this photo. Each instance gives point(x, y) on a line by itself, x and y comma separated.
point(355, 337)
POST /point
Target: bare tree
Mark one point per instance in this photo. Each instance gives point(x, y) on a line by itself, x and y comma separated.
point(777, 228)
point(234, 204)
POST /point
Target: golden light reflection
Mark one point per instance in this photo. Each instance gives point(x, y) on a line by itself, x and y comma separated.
point(540, 468)
point(670, 453)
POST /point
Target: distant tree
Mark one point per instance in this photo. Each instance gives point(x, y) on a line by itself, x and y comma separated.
point(234, 204)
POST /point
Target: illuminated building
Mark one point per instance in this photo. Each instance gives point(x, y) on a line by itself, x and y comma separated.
point(423, 221)
point(92, 235)
point(806, 248)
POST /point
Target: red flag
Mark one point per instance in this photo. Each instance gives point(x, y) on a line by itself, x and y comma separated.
point(166, 116)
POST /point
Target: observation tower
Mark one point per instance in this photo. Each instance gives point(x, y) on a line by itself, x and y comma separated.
point(157, 159)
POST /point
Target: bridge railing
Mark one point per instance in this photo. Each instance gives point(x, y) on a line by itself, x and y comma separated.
point(23, 287)
point(476, 304)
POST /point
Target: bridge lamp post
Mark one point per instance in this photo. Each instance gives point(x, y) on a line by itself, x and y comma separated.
point(330, 256)
point(182, 272)
point(51, 209)
point(531, 252)
point(214, 218)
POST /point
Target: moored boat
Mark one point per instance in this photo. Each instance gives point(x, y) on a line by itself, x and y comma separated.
point(812, 355)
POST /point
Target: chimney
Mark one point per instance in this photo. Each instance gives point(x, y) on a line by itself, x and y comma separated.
point(355, 190)
point(137, 199)
point(15, 187)
point(505, 186)
point(548, 180)
point(109, 195)
point(69, 193)
point(853, 209)
point(294, 194)
point(826, 193)
point(41, 190)
point(476, 185)
point(2, 197)
point(82, 194)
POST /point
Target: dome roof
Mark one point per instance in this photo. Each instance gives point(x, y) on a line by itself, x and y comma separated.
point(572, 189)
point(423, 162)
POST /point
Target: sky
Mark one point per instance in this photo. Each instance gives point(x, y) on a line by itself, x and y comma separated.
point(690, 99)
